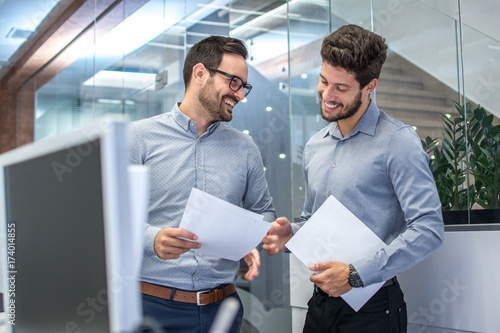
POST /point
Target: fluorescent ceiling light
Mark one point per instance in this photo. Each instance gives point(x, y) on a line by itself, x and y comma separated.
point(149, 21)
point(135, 31)
point(278, 12)
point(125, 80)
point(205, 10)
point(114, 101)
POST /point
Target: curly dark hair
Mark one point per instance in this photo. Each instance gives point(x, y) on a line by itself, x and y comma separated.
point(356, 50)
point(209, 52)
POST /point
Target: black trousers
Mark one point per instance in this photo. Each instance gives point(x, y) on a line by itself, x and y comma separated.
point(385, 312)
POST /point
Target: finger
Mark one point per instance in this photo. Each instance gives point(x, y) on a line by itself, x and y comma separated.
point(282, 221)
point(274, 229)
point(181, 233)
point(256, 257)
point(257, 261)
point(173, 250)
point(249, 258)
point(316, 278)
point(252, 258)
point(172, 242)
point(185, 244)
point(269, 239)
point(273, 251)
point(253, 272)
point(318, 267)
point(269, 246)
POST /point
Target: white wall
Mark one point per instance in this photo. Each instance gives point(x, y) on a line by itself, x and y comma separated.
point(457, 286)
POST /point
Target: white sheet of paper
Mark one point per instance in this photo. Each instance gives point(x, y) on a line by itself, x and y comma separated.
point(224, 230)
point(335, 233)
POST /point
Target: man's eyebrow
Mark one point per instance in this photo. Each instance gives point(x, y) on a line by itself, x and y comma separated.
point(336, 83)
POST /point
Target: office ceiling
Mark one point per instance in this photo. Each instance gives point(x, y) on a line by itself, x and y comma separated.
point(20, 18)
point(18, 21)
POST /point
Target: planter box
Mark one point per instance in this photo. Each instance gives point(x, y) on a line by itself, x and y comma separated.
point(477, 216)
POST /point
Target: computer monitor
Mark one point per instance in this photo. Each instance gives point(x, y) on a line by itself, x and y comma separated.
point(66, 234)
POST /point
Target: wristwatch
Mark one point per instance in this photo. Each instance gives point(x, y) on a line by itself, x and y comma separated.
point(354, 278)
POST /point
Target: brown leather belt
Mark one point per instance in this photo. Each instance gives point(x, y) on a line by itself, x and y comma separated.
point(196, 297)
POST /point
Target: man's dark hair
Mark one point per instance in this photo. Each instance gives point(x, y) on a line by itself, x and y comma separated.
point(356, 50)
point(209, 52)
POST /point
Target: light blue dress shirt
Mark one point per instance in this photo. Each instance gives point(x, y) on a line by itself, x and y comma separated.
point(379, 172)
point(222, 162)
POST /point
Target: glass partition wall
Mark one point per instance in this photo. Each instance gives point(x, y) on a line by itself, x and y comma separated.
point(440, 52)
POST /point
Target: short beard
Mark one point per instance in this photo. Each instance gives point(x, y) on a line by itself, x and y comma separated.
point(350, 110)
point(215, 109)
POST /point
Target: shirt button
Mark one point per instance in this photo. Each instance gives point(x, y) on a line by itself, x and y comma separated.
point(190, 124)
point(196, 278)
point(334, 165)
point(329, 193)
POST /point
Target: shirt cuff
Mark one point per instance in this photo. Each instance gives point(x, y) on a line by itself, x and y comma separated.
point(296, 226)
point(368, 271)
point(149, 239)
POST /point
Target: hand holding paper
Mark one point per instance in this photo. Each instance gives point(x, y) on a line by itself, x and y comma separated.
point(170, 243)
point(334, 233)
point(331, 277)
point(223, 229)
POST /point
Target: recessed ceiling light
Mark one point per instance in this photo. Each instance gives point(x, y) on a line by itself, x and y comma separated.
point(16, 33)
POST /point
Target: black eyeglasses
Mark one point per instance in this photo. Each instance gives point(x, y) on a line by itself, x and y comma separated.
point(236, 83)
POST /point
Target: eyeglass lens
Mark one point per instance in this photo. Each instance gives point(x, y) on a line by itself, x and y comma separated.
point(236, 83)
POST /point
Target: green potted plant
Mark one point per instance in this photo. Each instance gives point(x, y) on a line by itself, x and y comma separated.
point(469, 154)
point(484, 139)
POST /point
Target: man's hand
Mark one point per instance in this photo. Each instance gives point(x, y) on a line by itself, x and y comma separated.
point(253, 262)
point(333, 279)
point(279, 234)
point(168, 245)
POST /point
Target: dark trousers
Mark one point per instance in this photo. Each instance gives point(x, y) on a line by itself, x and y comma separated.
point(385, 312)
point(180, 317)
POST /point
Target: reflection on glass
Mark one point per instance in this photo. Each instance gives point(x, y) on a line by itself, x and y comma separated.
point(136, 71)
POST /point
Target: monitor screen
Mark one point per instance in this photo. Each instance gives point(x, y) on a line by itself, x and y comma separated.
point(63, 239)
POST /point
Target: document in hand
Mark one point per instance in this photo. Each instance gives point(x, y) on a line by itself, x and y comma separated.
point(223, 229)
point(335, 233)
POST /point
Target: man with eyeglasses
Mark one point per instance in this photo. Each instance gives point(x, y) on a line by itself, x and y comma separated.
point(190, 147)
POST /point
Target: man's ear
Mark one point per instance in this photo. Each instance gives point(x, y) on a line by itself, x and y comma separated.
point(200, 72)
point(371, 86)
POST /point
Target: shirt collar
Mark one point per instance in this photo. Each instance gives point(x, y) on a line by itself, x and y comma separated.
point(185, 122)
point(367, 124)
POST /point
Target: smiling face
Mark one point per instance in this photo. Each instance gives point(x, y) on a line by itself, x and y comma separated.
point(215, 96)
point(341, 98)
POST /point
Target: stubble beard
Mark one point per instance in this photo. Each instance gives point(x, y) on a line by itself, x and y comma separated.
point(216, 109)
point(348, 111)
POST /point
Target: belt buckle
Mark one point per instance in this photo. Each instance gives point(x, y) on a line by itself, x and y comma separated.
point(198, 293)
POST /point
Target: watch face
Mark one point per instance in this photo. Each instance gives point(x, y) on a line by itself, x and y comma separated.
point(355, 281)
point(354, 278)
